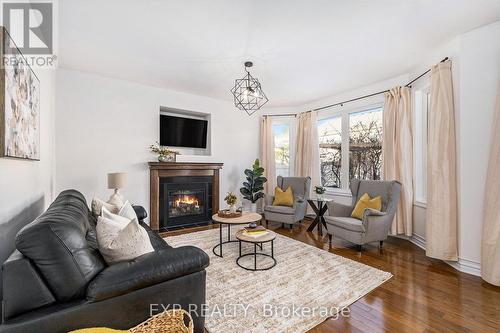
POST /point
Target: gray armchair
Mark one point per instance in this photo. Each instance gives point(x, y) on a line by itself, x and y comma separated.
point(375, 225)
point(289, 215)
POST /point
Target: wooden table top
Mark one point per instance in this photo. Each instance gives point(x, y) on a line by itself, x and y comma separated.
point(264, 238)
point(245, 218)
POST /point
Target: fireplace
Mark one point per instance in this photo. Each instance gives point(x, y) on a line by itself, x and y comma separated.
point(185, 201)
point(183, 194)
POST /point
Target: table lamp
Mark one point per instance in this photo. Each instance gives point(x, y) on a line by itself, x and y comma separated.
point(116, 181)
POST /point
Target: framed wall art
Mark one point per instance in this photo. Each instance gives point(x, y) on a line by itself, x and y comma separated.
point(19, 103)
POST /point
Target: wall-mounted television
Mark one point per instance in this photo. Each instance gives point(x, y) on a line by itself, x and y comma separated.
point(183, 132)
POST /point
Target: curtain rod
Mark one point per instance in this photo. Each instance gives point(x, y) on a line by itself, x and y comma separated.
point(357, 98)
point(375, 94)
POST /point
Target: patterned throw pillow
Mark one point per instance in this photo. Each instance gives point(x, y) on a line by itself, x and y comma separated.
point(120, 236)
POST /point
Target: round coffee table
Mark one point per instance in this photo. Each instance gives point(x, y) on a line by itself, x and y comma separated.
point(267, 238)
point(245, 218)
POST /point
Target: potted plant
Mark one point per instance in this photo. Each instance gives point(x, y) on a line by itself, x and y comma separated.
point(252, 189)
point(164, 154)
point(319, 190)
point(231, 200)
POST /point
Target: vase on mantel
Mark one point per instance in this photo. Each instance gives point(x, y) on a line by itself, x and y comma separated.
point(167, 158)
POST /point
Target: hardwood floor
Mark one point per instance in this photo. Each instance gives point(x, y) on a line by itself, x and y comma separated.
point(425, 295)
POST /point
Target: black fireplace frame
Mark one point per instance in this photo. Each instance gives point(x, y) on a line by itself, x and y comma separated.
point(187, 183)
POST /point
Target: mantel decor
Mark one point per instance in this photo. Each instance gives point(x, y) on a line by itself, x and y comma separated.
point(19, 103)
point(164, 154)
point(247, 92)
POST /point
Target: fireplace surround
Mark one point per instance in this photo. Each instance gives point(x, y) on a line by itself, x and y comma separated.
point(183, 194)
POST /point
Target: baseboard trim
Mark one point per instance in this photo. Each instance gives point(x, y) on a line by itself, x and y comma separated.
point(466, 266)
point(418, 241)
point(462, 265)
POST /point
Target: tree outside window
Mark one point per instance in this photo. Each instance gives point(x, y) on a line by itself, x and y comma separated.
point(364, 137)
point(282, 149)
point(365, 145)
point(330, 151)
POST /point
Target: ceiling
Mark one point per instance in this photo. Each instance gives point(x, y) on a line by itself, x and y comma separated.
point(302, 50)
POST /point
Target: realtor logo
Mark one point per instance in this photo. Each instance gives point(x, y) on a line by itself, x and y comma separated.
point(30, 25)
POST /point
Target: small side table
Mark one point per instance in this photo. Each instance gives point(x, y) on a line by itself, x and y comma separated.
point(319, 206)
point(245, 218)
point(269, 237)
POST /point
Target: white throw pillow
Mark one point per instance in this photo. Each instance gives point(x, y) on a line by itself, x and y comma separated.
point(121, 238)
point(98, 204)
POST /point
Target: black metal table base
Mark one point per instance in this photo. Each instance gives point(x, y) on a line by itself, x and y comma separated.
point(226, 242)
point(319, 221)
point(255, 254)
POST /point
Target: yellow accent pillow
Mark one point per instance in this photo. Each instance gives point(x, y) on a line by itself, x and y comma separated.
point(283, 198)
point(366, 202)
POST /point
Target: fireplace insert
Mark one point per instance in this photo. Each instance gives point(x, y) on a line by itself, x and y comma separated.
point(185, 201)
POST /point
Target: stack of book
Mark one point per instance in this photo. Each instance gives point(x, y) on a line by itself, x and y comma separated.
point(255, 232)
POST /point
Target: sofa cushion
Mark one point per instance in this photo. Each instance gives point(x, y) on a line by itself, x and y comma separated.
point(280, 210)
point(348, 223)
point(57, 244)
point(146, 270)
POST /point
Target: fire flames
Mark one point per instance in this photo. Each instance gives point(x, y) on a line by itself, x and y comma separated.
point(186, 200)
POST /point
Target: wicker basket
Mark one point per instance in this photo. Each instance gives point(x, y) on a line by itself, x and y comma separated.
point(170, 321)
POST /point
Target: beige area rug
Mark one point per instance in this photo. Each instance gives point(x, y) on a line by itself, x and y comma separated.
point(307, 285)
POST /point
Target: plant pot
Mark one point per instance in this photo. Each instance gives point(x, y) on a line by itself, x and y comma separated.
point(167, 158)
point(232, 209)
point(253, 207)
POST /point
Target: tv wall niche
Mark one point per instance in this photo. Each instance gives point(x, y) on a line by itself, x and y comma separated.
point(186, 131)
point(19, 103)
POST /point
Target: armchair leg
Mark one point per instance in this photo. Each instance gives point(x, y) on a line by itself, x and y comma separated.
point(330, 240)
point(291, 226)
point(360, 248)
point(283, 225)
point(381, 243)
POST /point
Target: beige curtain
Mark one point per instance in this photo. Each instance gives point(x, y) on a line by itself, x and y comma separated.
point(442, 206)
point(307, 147)
point(267, 159)
point(397, 149)
point(490, 246)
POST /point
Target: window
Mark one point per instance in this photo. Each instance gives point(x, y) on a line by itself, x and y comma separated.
point(350, 145)
point(282, 130)
point(365, 144)
point(422, 108)
point(330, 151)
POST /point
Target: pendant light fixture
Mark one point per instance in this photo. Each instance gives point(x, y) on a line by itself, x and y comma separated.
point(247, 92)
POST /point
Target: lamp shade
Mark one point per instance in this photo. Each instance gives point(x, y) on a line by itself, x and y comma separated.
point(117, 180)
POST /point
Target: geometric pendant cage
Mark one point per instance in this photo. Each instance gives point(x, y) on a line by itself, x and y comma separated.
point(247, 92)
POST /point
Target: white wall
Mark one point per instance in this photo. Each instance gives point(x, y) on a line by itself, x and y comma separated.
point(105, 125)
point(479, 82)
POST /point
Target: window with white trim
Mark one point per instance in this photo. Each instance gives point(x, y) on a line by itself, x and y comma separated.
point(350, 144)
point(422, 100)
point(283, 131)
